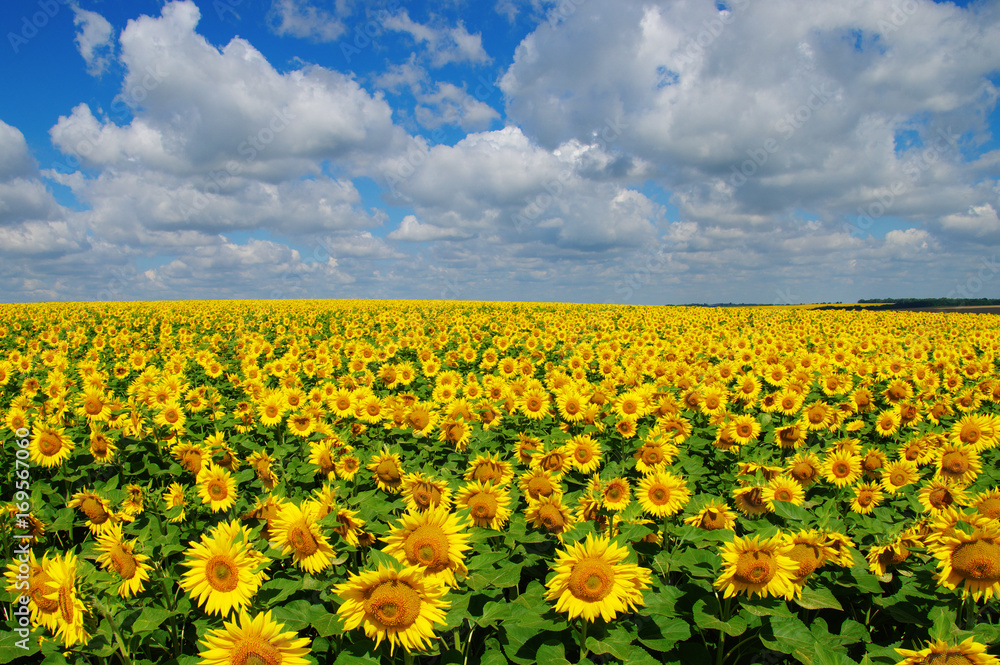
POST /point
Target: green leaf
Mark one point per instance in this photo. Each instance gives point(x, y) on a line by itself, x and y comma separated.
point(661, 633)
point(705, 617)
point(328, 624)
point(494, 612)
point(378, 557)
point(151, 619)
point(818, 599)
point(789, 511)
point(617, 642)
point(661, 601)
point(943, 622)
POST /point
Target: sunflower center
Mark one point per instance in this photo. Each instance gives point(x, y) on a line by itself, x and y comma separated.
point(39, 587)
point(49, 445)
point(99, 446)
point(93, 407)
point(970, 434)
point(990, 507)
point(483, 506)
point(66, 603)
point(591, 580)
point(841, 469)
point(651, 456)
point(713, 520)
point(940, 498)
point(583, 455)
point(898, 478)
point(387, 472)
point(427, 546)
point(894, 555)
point(123, 563)
point(539, 486)
point(783, 494)
point(755, 567)
point(301, 538)
point(551, 517)
point(979, 560)
point(803, 471)
point(217, 490)
point(659, 495)
point(426, 496)
point(394, 604)
point(865, 498)
point(486, 472)
point(254, 650)
point(222, 573)
point(94, 511)
point(872, 463)
point(954, 463)
point(809, 557)
point(947, 658)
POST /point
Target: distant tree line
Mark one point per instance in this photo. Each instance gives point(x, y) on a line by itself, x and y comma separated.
point(933, 302)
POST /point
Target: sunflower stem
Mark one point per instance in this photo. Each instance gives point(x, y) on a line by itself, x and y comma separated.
point(583, 639)
point(123, 653)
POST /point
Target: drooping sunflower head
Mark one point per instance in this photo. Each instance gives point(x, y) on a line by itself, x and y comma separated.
point(297, 531)
point(750, 500)
point(712, 517)
point(387, 469)
point(810, 551)
point(538, 483)
point(489, 468)
point(549, 513)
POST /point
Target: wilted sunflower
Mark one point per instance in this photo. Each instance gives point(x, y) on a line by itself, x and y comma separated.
point(757, 567)
point(713, 517)
point(433, 541)
point(549, 513)
point(399, 606)
point(120, 556)
point(971, 560)
point(216, 487)
point(387, 470)
point(489, 505)
point(222, 569)
point(939, 652)
point(661, 493)
point(867, 497)
point(810, 552)
point(422, 492)
point(296, 530)
point(591, 580)
point(262, 464)
point(258, 640)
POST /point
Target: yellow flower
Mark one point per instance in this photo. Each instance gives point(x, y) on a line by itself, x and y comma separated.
point(431, 540)
point(296, 530)
point(423, 492)
point(549, 513)
point(661, 493)
point(173, 497)
point(591, 580)
point(253, 640)
point(216, 487)
point(898, 475)
point(119, 555)
point(399, 606)
point(585, 453)
point(783, 489)
point(971, 560)
point(489, 505)
point(867, 497)
point(488, 468)
point(841, 468)
point(387, 470)
point(712, 517)
point(49, 446)
point(617, 494)
point(222, 569)
point(758, 567)
point(968, 652)
point(62, 591)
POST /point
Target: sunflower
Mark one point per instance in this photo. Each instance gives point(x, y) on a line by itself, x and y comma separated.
point(432, 541)
point(872, 463)
point(61, 590)
point(957, 463)
point(34, 583)
point(898, 475)
point(810, 551)
point(258, 640)
point(818, 416)
point(841, 468)
point(791, 436)
point(744, 429)
point(50, 446)
point(661, 493)
point(534, 404)
point(571, 405)
point(759, 567)
point(549, 513)
point(348, 526)
point(526, 447)
point(488, 468)
point(271, 409)
point(782, 489)
point(456, 431)
point(174, 497)
point(655, 452)
point(423, 492)
point(556, 460)
point(887, 422)
point(321, 455)
point(939, 494)
point(97, 510)
point(192, 456)
point(971, 430)
point(971, 560)
point(102, 448)
point(591, 580)
point(296, 530)
point(399, 606)
point(488, 504)
point(119, 555)
point(750, 500)
point(881, 557)
point(216, 487)
point(262, 464)
point(715, 516)
point(222, 569)
point(987, 503)
point(585, 453)
point(347, 466)
point(616, 494)
point(804, 468)
point(387, 470)
point(867, 497)
point(539, 483)
point(968, 652)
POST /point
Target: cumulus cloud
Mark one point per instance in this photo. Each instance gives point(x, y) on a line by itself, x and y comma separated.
point(299, 18)
point(94, 39)
point(444, 45)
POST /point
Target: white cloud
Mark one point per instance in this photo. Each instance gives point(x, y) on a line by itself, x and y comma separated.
point(444, 45)
point(93, 40)
point(411, 230)
point(15, 160)
point(299, 18)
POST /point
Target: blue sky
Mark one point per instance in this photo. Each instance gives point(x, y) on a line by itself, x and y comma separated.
point(577, 151)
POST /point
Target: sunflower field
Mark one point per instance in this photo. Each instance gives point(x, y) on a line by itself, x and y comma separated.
point(293, 482)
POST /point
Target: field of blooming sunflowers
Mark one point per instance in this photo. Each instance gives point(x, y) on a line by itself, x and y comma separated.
point(291, 482)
